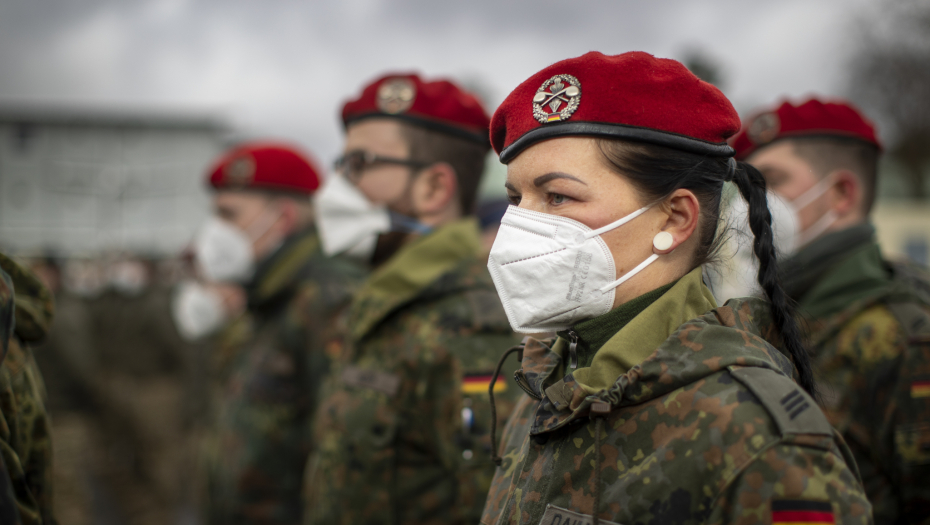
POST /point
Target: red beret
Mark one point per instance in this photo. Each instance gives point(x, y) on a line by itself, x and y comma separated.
point(812, 118)
point(633, 96)
point(265, 166)
point(439, 105)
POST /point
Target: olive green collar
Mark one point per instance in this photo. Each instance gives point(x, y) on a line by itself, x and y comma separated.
point(687, 299)
point(278, 273)
point(862, 274)
point(411, 271)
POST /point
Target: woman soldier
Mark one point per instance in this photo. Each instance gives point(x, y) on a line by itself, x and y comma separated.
point(652, 405)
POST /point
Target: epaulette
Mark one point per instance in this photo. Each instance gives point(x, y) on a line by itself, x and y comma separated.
point(793, 410)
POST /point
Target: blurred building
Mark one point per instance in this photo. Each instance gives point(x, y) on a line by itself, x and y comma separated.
point(81, 182)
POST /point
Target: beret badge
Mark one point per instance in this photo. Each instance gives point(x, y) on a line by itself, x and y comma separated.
point(396, 95)
point(556, 99)
point(764, 128)
point(240, 171)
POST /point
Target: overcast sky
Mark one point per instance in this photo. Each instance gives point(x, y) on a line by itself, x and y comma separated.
point(282, 68)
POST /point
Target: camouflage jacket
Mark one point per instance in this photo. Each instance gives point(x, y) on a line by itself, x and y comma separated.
point(8, 512)
point(25, 433)
point(402, 435)
point(709, 428)
point(269, 364)
point(872, 355)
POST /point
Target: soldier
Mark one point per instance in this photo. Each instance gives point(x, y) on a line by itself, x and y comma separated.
point(270, 360)
point(868, 319)
point(25, 438)
point(403, 432)
point(652, 405)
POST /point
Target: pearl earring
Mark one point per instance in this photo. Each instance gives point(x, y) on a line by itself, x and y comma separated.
point(662, 241)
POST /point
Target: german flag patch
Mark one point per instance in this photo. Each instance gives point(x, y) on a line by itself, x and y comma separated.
point(920, 389)
point(801, 512)
point(479, 383)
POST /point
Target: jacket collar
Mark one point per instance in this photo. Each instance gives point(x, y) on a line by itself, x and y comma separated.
point(411, 272)
point(276, 276)
point(686, 352)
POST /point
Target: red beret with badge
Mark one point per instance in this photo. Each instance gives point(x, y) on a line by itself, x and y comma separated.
point(439, 105)
point(267, 166)
point(633, 96)
point(812, 118)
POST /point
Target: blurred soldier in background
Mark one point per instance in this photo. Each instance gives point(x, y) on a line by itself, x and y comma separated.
point(402, 432)
point(270, 361)
point(868, 319)
point(25, 440)
point(115, 369)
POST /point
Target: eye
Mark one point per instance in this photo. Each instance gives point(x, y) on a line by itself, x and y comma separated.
point(514, 199)
point(557, 198)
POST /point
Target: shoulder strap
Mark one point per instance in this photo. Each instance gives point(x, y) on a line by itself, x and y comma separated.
point(793, 410)
point(914, 320)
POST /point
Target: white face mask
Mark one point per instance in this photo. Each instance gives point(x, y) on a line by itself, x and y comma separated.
point(347, 221)
point(224, 252)
point(551, 271)
point(197, 310)
point(822, 224)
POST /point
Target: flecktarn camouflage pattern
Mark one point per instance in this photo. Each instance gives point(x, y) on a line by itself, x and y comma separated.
point(708, 429)
point(869, 325)
point(403, 431)
point(25, 437)
point(270, 364)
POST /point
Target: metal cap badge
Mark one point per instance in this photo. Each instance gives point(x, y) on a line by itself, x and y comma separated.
point(396, 95)
point(764, 128)
point(240, 171)
point(556, 99)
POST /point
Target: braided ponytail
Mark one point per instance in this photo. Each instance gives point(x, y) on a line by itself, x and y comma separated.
point(751, 185)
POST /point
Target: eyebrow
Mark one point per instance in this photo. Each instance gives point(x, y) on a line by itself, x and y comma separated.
point(542, 179)
point(510, 187)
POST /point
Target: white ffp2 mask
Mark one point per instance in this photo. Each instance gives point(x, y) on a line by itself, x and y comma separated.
point(347, 221)
point(224, 252)
point(197, 310)
point(551, 271)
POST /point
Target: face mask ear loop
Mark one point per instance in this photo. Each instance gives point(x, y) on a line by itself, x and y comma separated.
point(261, 224)
point(815, 192)
point(651, 259)
point(815, 230)
point(618, 223)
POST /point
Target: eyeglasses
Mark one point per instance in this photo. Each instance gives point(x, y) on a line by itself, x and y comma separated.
point(353, 164)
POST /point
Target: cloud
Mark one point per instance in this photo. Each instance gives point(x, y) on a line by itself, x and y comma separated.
point(283, 68)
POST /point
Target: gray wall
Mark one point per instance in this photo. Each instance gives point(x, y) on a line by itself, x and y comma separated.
point(85, 187)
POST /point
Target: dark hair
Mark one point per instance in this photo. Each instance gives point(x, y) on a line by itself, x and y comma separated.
point(826, 154)
point(466, 157)
point(657, 171)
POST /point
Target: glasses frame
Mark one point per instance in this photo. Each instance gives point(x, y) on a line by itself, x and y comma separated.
point(367, 160)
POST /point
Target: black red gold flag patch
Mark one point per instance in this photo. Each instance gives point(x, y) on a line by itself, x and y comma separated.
point(479, 384)
point(801, 512)
point(920, 389)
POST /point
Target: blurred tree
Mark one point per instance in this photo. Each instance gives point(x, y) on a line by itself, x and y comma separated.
point(703, 66)
point(889, 77)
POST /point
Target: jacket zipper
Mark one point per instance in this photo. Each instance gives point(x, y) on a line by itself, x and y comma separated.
point(573, 349)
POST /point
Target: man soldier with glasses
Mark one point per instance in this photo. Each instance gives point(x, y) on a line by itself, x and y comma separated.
point(402, 433)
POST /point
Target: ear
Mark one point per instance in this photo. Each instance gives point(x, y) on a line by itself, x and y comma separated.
point(435, 189)
point(287, 222)
point(682, 212)
point(846, 192)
